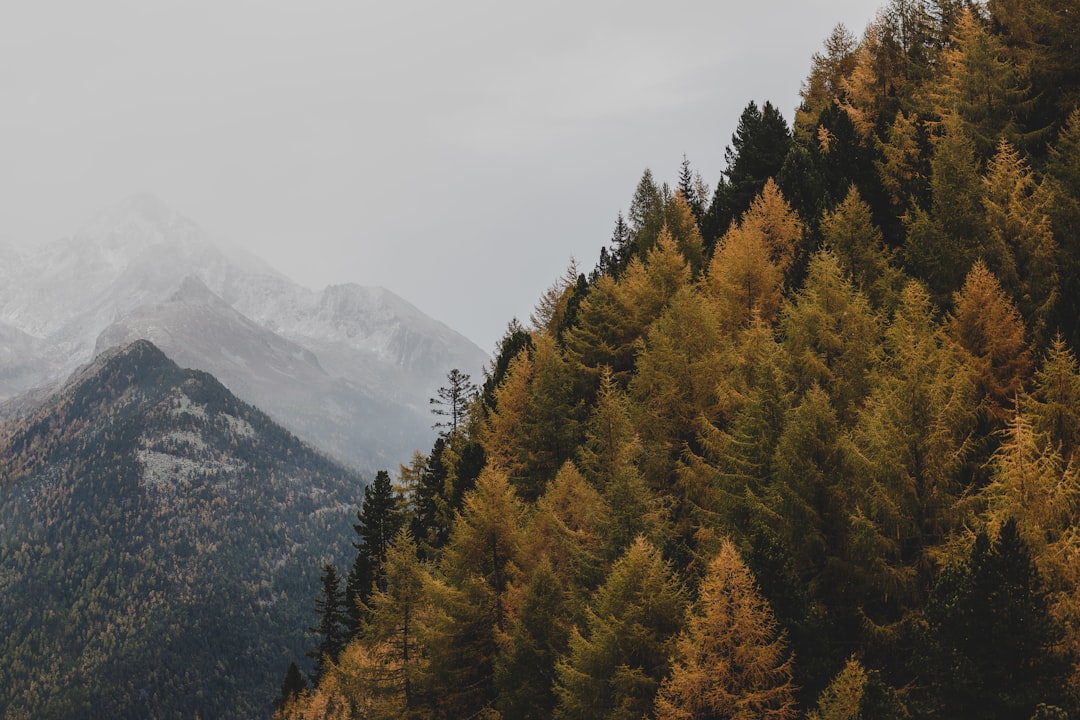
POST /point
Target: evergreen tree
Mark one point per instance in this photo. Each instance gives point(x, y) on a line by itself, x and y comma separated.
point(393, 627)
point(646, 214)
point(990, 332)
point(757, 151)
point(1020, 249)
point(471, 614)
point(515, 341)
point(988, 643)
point(1054, 403)
point(332, 629)
point(292, 687)
point(453, 401)
point(689, 187)
point(824, 85)
point(850, 233)
point(536, 637)
point(732, 657)
point(831, 336)
point(615, 667)
point(379, 520)
point(980, 86)
point(912, 438)
point(1063, 180)
point(434, 509)
point(944, 242)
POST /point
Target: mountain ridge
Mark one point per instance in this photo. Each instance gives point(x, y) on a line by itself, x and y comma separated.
point(115, 279)
point(153, 527)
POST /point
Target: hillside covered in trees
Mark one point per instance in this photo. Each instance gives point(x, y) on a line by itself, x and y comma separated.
point(803, 444)
point(159, 542)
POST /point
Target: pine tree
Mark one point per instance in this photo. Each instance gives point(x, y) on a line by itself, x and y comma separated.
point(913, 439)
point(825, 82)
point(831, 336)
point(333, 622)
point(688, 187)
point(1054, 403)
point(944, 242)
point(1020, 249)
point(393, 629)
point(471, 612)
point(565, 531)
point(646, 214)
point(988, 640)
point(850, 233)
point(292, 687)
point(615, 667)
point(453, 401)
point(1063, 181)
point(536, 637)
point(379, 520)
point(677, 371)
point(986, 325)
point(427, 525)
point(980, 87)
point(732, 660)
point(757, 151)
point(746, 274)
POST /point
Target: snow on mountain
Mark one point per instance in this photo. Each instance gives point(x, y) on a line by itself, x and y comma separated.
point(322, 362)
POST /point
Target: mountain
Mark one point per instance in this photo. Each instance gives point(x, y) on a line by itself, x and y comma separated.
point(196, 328)
point(348, 368)
point(160, 543)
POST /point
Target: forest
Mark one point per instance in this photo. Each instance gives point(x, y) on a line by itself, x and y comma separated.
point(803, 444)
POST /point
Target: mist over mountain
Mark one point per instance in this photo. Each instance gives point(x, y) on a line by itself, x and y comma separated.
point(348, 368)
point(160, 543)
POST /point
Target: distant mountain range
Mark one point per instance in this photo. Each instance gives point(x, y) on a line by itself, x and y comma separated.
point(160, 542)
point(348, 368)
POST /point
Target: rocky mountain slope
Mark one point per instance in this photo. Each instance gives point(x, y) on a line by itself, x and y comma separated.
point(157, 540)
point(348, 368)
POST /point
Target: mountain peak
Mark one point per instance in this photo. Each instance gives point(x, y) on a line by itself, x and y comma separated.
point(141, 221)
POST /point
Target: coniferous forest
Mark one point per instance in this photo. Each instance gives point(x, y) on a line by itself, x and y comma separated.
point(804, 443)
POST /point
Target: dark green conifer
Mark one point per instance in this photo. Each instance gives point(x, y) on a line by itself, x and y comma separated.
point(379, 520)
point(333, 622)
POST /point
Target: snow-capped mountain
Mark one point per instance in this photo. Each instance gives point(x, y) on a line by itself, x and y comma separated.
point(348, 368)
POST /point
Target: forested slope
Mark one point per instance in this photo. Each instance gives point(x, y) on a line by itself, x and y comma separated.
point(801, 446)
point(159, 542)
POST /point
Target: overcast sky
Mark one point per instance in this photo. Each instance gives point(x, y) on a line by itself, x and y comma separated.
point(458, 153)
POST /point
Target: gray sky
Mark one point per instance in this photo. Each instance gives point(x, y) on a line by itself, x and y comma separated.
point(457, 153)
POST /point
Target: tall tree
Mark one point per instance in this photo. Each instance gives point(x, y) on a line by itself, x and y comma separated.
point(990, 332)
point(478, 565)
point(980, 86)
point(945, 241)
point(378, 521)
point(615, 667)
point(849, 231)
point(453, 401)
point(393, 628)
point(1063, 180)
point(988, 645)
point(732, 657)
point(746, 274)
point(913, 438)
point(1020, 249)
point(536, 637)
point(825, 82)
point(332, 629)
point(646, 214)
point(757, 151)
point(831, 336)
